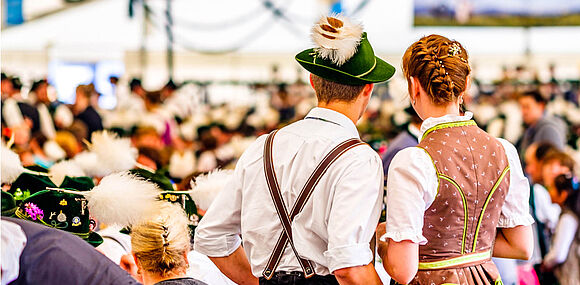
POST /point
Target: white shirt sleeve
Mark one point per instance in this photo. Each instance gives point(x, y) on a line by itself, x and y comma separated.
point(565, 234)
point(546, 211)
point(411, 189)
point(516, 209)
point(218, 233)
point(355, 212)
point(11, 113)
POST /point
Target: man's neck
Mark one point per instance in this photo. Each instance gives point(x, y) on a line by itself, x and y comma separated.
point(533, 124)
point(349, 109)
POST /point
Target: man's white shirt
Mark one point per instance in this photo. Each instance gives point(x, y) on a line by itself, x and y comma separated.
point(335, 226)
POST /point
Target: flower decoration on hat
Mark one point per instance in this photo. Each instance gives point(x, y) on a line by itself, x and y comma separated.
point(337, 38)
point(33, 211)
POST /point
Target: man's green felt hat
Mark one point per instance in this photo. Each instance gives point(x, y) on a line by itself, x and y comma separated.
point(80, 183)
point(162, 181)
point(362, 68)
point(8, 204)
point(60, 210)
point(168, 192)
point(29, 183)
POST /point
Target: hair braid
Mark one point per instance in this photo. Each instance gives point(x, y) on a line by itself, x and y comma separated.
point(435, 62)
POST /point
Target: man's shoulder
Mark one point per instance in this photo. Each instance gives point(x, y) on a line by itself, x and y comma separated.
point(550, 121)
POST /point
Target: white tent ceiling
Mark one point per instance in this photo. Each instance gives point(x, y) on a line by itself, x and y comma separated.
point(103, 29)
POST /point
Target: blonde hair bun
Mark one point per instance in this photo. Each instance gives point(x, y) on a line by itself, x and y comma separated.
point(161, 242)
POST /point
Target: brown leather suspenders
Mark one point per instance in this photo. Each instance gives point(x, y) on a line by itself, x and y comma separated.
point(285, 218)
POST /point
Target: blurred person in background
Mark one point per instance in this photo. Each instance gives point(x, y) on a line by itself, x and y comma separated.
point(540, 127)
point(28, 112)
point(14, 123)
point(147, 137)
point(84, 110)
point(284, 102)
point(136, 88)
point(564, 255)
point(544, 211)
point(408, 138)
point(554, 164)
point(38, 96)
point(160, 247)
point(158, 117)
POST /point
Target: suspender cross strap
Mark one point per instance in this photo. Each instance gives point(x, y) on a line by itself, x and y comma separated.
point(305, 193)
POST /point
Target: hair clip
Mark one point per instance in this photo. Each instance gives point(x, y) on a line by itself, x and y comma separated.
point(454, 50)
point(164, 236)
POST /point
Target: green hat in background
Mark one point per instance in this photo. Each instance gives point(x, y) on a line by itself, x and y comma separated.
point(29, 183)
point(162, 181)
point(80, 183)
point(8, 204)
point(343, 54)
point(60, 210)
point(37, 168)
point(169, 193)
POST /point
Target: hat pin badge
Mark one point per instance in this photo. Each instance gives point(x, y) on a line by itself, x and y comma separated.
point(61, 217)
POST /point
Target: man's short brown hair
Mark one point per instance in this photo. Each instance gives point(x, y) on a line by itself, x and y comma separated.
point(327, 90)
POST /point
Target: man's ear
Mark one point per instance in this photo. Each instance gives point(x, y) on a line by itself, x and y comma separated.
point(368, 89)
point(311, 83)
point(136, 260)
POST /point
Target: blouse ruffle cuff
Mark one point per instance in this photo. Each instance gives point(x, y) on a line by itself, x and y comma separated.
point(400, 236)
point(513, 222)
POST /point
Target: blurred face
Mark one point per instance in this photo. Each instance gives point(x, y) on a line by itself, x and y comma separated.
point(6, 87)
point(550, 170)
point(42, 94)
point(533, 166)
point(532, 111)
point(559, 197)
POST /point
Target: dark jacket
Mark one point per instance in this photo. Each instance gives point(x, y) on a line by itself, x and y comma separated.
point(56, 257)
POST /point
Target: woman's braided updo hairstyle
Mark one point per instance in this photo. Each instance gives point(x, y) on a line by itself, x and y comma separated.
point(160, 243)
point(441, 66)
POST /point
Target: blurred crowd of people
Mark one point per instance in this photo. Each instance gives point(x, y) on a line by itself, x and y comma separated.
point(178, 135)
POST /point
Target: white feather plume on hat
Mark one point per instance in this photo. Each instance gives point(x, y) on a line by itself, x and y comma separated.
point(123, 199)
point(337, 38)
point(115, 154)
point(53, 150)
point(89, 162)
point(206, 187)
point(59, 170)
point(11, 165)
point(182, 164)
